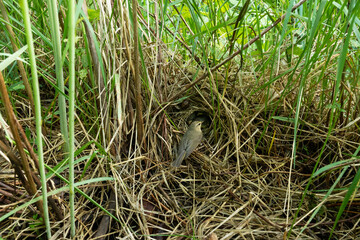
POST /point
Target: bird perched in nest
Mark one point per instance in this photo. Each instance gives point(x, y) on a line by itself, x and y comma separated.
point(189, 142)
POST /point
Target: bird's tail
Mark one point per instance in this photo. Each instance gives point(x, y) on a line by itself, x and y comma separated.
point(179, 159)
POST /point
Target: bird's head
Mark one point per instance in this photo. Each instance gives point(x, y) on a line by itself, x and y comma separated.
point(196, 125)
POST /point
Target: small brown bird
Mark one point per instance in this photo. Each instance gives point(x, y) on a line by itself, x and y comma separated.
point(188, 143)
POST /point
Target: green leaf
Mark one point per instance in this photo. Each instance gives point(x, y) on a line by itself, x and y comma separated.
point(16, 86)
point(94, 14)
point(12, 58)
point(294, 50)
point(284, 119)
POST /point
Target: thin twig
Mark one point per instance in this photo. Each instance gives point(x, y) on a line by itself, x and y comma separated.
point(24, 161)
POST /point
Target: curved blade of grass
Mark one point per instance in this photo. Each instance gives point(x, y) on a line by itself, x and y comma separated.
point(97, 46)
point(64, 162)
point(12, 58)
point(324, 198)
point(63, 189)
point(332, 166)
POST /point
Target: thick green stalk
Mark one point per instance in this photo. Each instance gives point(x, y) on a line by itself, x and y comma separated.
point(35, 82)
point(71, 34)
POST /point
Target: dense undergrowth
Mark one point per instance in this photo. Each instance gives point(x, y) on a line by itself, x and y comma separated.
point(281, 136)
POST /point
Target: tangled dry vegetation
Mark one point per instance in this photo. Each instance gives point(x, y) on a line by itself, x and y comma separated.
point(238, 184)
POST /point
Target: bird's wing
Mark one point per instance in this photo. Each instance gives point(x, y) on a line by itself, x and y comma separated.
point(191, 147)
point(182, 150)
